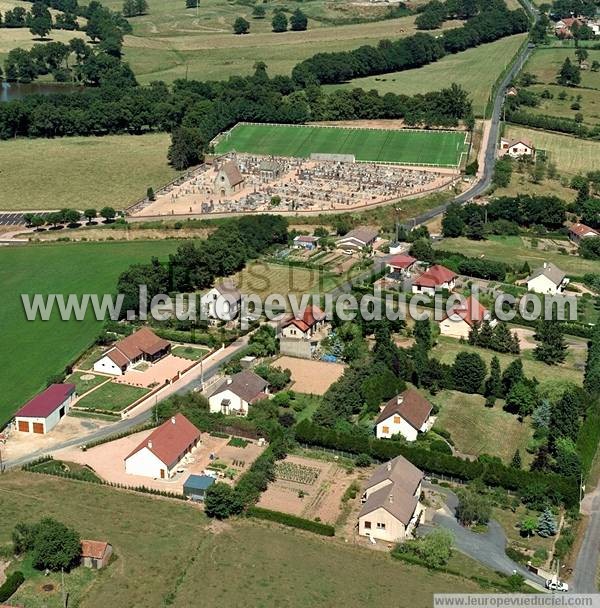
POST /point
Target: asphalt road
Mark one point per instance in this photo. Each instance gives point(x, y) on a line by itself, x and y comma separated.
point(586, 565)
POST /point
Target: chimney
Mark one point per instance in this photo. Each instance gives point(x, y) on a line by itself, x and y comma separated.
point(389, 465)
point(150, 443)
point(391, 498)
point(172, 419)
point(545, 264)
point(400, 399)
point(229, 380)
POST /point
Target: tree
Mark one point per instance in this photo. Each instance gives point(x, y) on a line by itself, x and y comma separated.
point(569, 74)
point(567, 460)
point(108, 213)
point(552, 348)
point(521, 399)
point(595, 66)
point(502, 172)
point(493, 384)
point(141, 7)
point(150, 194)
point(71, 216)
point(516, 462)
point(527, 526)
point(468, 372)
point(241, 26)
point(512, 375)
point(129, 8)
point(589, 248)
point(259, 12)
point(298, 21)
point(434, 549)
point(422, 250)
point(423, 333)
point(546, 524)
point(453, 224)
point(221, 501)
point(40, 22)
point(55, 546)
point(564, 418)
point(279, 22)
point(186, 149)
point(90, 214)
point(581, 54)
point(472, 508)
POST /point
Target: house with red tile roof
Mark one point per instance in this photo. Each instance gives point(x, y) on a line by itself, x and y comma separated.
point(406, 414)
point(578, 232)
point(95, 554)
point(435, 278)
point(142, 345)
point(400, 265)
point(300, 335)
point(44, 411)
point(159, 455)
point(461, 318)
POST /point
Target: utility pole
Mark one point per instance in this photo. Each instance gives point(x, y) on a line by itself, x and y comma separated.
point(62, 587)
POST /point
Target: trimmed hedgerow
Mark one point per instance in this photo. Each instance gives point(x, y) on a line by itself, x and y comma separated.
point(291, 520)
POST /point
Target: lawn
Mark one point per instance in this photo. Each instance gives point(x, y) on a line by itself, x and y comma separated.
point(112, 397)
point(570, 371)
point(521, 182)
point(570, 154)
point(443, 148)
point(193, 353)
point(545, 63)
point(589, 102)
point(476, 429)
point(476, 70)
point(320, 572)
point(86, 383)
point(82, 172)
point(516, 251)
point(34, 351)
point(265, 278)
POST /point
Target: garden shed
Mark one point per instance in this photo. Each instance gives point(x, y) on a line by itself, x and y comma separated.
point(195, 486)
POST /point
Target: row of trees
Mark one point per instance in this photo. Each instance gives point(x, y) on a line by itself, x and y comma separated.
point(497, 338)
point(494, 22)
point(39, 20)
point(67, 216)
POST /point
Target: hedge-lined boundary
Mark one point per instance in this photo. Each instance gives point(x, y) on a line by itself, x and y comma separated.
point(291, 520)
point(11, 584)
point(558, 488)
point(109, 438)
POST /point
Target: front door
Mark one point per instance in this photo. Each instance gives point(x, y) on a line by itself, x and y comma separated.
point(24, 426)
point(162, 473)
point(38, 428)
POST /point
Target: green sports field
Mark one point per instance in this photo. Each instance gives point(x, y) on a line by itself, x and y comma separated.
point(440, 148)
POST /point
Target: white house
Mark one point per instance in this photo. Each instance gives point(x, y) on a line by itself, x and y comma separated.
point(578, 232)
point(299, 337)
point(391, 509)
point(435, 278)
point(221, 302)
point(517, 148)
point(463, 316)
point(357, 239)
point(161, 452)
point(304, 241)
point(406, 414)
point(44, 411)
point(235, 394)
point(142, 345)
point(548, 279)
point(400, 266)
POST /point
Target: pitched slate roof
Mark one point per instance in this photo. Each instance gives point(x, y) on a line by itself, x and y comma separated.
point(550, 271)
point(143, 341)
point(310, 316)
point(170, 440)
point(232, 172)
point(393, 499)
point(401, 260)
point(227, 288)
point(410, 405)
point(363, 234)
point(472, 311)
point(96, 549)
point(398, 471)
point(435, 276)
point(42, 405)
point(247, 385)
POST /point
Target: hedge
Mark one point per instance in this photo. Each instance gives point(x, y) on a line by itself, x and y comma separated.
point(491, 473)
point(11, 584)
point(291, 520)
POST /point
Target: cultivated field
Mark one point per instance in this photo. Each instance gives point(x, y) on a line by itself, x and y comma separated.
point(34, 351)
point(265, 278)
point(570, 154)
point(545, 63)
point(476, 429)
point(518, 250)
point(82, 172)
point(311, 377)
point(476, 70)
point(320, 573)
point(441, 148)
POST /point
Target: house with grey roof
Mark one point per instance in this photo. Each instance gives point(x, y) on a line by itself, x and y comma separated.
point(391, 508)
point(548, 279)
point(359, 238)
point(235, 394)
point(222, 302)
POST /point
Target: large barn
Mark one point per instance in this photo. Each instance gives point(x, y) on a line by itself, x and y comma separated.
point(44, 411)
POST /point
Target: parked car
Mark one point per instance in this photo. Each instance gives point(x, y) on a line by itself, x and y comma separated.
point(556, 585)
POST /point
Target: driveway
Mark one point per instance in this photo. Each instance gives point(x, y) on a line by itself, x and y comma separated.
point(486, 548)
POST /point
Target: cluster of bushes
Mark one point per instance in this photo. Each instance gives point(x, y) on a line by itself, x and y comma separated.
point(11, 584)
point(552, 123)
point(291, 521)
point(480, 268)
point(493, 22)
point(497, 338)
point(530, 485)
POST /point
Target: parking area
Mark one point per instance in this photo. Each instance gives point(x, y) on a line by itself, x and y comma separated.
point(11, 219)
point(108, 460)
point(311, 377)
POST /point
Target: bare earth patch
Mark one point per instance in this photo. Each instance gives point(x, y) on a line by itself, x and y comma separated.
point(311, 377)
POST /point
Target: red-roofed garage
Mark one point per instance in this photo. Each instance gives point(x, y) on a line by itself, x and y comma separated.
point(44, 411)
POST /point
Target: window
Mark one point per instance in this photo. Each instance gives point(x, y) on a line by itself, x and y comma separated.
point(380, 526)
point(385, 429)
point(397, 419)
point(367, 525)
